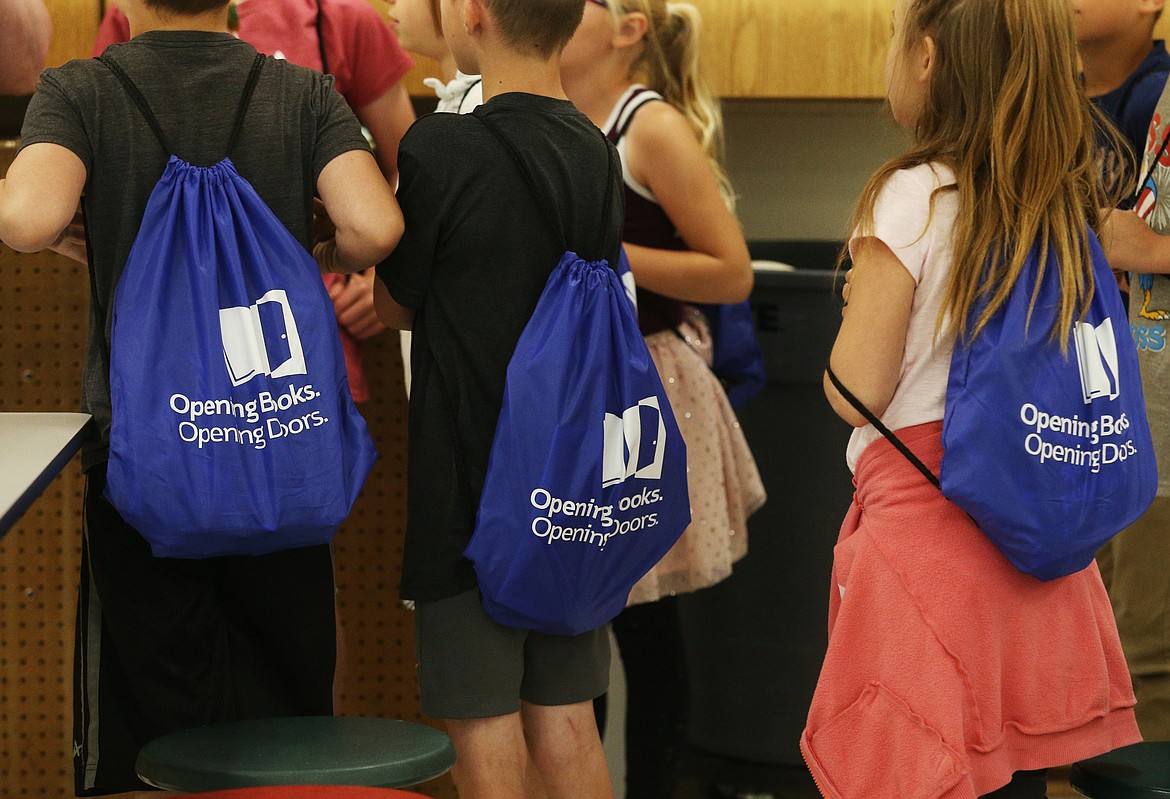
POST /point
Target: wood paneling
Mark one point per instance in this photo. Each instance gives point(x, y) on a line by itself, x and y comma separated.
point(753, 48)
point(796, 48)
point(423, 68)
point(75, 24)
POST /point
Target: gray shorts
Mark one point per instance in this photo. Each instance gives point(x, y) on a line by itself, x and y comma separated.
point(469, 666)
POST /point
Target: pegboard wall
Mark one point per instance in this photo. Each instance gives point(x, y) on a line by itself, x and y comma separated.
point(43, 312)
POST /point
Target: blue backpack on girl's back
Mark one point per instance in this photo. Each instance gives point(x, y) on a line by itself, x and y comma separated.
point(1048, 451)
point(736, 357)
point(233, 432)
point(586, 487)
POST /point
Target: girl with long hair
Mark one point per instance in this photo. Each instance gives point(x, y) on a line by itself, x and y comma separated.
point(949, 673)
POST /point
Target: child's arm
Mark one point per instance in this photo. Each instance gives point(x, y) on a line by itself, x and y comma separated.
point(1132, 246)
point(390, 312)
point(665, 156)
point(867, 355)
point(362, 208)
point(39, 196)
point(387, 119)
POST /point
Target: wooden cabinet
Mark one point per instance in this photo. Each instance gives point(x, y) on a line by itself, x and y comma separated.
point(75, 24)
point(796, 48)
point(783, 48)
point(792, 49)
point(423, 68)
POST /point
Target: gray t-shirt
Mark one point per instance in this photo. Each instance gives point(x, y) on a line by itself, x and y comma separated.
point(1149, 295)
point(296, 124)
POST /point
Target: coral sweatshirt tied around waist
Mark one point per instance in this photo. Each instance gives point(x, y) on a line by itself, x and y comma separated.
point(947, 669)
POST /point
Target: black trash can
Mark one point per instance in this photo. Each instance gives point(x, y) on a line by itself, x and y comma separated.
point(756, 641)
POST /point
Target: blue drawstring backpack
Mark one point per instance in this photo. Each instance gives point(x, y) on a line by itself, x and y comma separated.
point(586, 487)
point(234, 432)
point(1050, 453)
point(737, 359)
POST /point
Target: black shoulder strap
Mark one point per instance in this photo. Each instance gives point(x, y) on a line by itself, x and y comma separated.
point(245, 101)
point(541, 203)
point(139, 101)
point(881, 428)
point(152, 120)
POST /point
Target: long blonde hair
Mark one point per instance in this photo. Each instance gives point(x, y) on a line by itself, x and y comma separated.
point(1005, 110)
point(671, 65)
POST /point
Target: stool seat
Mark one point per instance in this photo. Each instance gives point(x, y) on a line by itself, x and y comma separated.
point(1140, 771)
point(308, 750)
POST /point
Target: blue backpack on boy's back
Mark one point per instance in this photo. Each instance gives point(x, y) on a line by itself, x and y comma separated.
point(586, 487)
point(1048, 451)
point(234, 432)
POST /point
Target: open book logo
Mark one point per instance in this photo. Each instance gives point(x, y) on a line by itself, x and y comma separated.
point(261, 339)
point(635, 444)
point(1097, 359)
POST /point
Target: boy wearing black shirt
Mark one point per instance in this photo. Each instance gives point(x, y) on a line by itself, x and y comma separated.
point(476, 255)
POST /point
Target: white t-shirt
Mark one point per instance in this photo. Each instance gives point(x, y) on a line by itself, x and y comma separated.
point(461, 95)
point(923, 243)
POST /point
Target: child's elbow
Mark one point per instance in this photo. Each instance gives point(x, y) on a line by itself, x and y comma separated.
point(846, 410)
point(371, 240)
point(743, 282)
point(387, 235)
point(842, 408)
point(23, 234)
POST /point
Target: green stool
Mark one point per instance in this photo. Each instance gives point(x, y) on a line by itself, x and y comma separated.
point(1141, 771)
point(309, 750)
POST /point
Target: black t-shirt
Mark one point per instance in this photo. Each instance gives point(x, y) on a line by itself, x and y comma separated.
point(296, 124)
point(476, 255)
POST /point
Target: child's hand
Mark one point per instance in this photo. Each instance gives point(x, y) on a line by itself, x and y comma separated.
point(71, 242)
point(353, 301)
point(1132, 246)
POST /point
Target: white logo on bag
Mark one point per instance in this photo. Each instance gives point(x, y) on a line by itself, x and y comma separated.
point(261, 339)
point(631, 288)
point(624, 450)
point(1097, 359)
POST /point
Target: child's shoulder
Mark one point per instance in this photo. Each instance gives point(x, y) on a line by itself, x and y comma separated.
point(924, 179)
point(80, 77)
point(658, 122)
point(440, 133)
